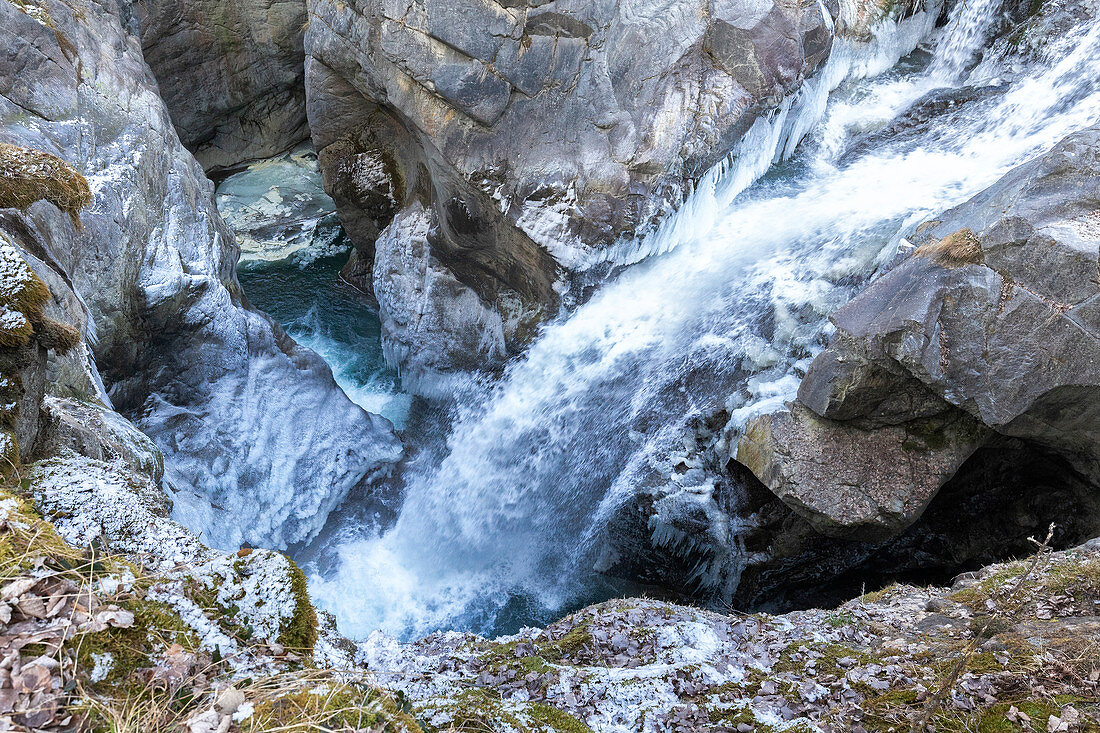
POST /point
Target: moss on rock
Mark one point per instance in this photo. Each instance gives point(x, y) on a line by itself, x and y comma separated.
point(28, 176)
point(320, 702)
point(300, 631)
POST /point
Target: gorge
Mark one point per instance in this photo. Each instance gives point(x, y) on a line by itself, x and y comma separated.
point(574, 352)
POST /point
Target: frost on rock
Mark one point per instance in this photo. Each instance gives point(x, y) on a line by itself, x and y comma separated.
point(278, 208)
point(103, 663)
point(223, 598)
point(35, 11)
point(154, 265)
point(646, 666)
point(15, 274)
point(22, 295)
point(97, 432)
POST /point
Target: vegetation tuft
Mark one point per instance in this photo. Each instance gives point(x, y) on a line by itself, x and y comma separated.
point(28, 176)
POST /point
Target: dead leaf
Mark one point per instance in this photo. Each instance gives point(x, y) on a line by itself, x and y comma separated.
point(120, 619)
point(229, 700)
point(41, 711)
point(17, 587)
point(32, 678)
point(32, 606)
point(208, 721)
point(176, 667)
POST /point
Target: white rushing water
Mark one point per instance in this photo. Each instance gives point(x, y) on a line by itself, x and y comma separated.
point(728, 317)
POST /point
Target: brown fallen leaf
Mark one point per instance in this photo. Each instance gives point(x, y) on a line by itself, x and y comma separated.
point(8, 696)
point(32, 606)
point(176, 667)
point(41, 710)
point(32, 678)
point(17, 587)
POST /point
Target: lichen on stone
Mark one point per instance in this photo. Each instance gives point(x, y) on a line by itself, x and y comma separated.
point(240, 605)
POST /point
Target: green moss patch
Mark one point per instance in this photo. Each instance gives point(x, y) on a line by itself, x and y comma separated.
point(300, 632)
point(478, 710)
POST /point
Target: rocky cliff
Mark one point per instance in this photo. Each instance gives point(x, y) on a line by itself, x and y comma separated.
point(112, 614)
point(951, 415)
point(149, 280)
point(499, 146)
point(231, 74)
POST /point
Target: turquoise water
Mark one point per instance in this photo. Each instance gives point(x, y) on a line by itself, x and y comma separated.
point(334, 319)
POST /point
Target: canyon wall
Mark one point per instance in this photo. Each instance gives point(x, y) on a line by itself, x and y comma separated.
point(523, 141)
point(254, 424)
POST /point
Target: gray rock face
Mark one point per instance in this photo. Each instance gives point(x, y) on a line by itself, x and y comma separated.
point(431, 322)
point(653, 667)
point(248, 421)
point(994, 320)
point(100, 434)
point(835, 475)
point(534, 134)
point(230, 72)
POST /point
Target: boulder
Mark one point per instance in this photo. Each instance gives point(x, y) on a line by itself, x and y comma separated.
point(232, 74)
point(99, 433)
point(535, 136)
point(835, 475)
point(992, 324)
point(260, 442)
point(431, 322)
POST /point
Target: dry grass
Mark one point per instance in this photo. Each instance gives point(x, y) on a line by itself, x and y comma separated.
point(323, 700)
point(61, 338)
point(27, 176)
point(955, 250)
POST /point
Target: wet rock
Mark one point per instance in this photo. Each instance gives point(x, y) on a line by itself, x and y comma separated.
point(1028, 30)
point(834, 474)
point(538, 136)
point(939, 107)
point(991, 322)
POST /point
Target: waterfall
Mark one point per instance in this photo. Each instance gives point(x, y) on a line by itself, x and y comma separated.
point(727, 318)
point(967, 29)
point(775, 137)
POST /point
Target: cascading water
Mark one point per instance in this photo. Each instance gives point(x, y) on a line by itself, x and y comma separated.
point(501, 529)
